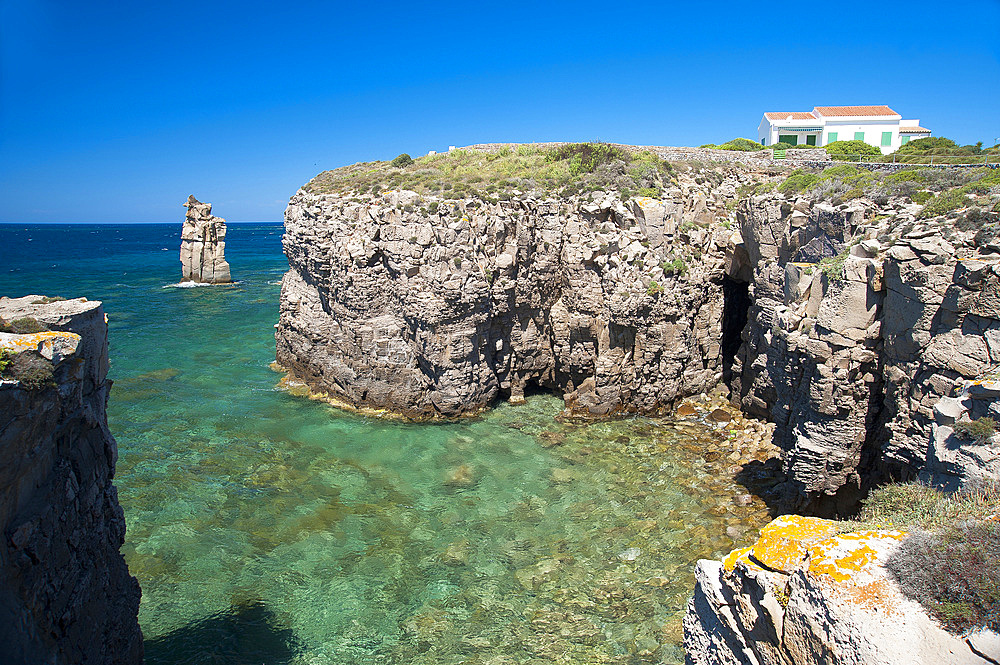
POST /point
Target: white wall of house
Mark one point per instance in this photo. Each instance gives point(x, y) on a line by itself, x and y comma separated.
point(883, 133)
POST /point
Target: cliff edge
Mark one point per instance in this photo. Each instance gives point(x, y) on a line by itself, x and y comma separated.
point(66, 595)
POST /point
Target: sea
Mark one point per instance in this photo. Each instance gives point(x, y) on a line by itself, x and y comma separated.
point(265, 527)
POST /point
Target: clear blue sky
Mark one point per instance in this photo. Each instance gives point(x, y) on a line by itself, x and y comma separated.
point(116, 111)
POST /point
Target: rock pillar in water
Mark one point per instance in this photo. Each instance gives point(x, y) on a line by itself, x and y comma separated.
point(203, 245)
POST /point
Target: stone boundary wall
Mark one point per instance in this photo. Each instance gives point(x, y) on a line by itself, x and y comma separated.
point(809, 158)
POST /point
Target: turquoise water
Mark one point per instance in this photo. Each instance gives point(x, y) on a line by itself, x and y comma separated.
point(269, 528)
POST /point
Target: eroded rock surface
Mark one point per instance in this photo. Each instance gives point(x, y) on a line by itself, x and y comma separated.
point(65, 593)
point(805, 594)
point(203, 245)
point(431, 307)
point(865, 361)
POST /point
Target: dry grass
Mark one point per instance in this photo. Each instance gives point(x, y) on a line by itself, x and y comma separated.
point(918, 506)
point(568, 169)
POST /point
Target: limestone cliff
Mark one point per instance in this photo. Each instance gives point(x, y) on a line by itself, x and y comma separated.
point(65, 594)
point(871, 332)
point(805, 594)
point(203, 245)
point(430, 306)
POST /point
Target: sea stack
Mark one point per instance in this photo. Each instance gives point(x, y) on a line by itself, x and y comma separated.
point(203, 245)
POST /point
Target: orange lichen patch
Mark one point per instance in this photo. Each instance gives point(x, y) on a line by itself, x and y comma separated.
point(645, 201)
point(741, 555)
point(784, 542)
point(842, 557)
point(878, 595)
point(36, 341)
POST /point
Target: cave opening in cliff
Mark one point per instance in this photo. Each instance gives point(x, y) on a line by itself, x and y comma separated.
point(735, 305)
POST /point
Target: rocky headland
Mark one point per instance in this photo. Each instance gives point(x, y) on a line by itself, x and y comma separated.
point(66, 595)
point(854, 308)
point(203, 245)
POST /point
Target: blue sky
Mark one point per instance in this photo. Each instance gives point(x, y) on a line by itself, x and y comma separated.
point(115, 112)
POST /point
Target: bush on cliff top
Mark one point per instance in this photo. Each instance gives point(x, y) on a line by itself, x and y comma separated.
point(33, 371)
point(23, 326)
point(849, 150)
point(493, 174)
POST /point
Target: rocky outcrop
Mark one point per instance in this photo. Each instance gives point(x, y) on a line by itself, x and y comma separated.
point(203, 245)
point(65, 594)
point(431, 307)
point(805, 594)
point(870, 334)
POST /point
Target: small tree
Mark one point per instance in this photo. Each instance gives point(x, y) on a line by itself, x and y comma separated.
point(402, 160)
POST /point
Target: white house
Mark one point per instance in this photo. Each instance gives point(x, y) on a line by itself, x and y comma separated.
point(879, 126)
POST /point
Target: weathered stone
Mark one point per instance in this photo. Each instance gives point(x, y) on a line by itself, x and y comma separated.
point(203, 245)
point(65, 593)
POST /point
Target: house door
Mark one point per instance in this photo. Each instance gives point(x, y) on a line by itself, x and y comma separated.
point(811, 139)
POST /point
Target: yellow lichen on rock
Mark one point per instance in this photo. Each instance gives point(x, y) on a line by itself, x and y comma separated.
point(842, 557)
point(741, 555)
point(784, 543)
point(49, 343)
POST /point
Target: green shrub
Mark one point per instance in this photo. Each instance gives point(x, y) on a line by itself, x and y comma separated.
point(833, 266)
point(651, 192)
point(47, 299)
point(24, 326)
point(708, 145)
point(943, 203)
point(921, 197)
point(33, 371)
point(676, 266)
point(783, 146)
point(953, 573)
point(586, 157)
point(653, 289)
point(915, 505)
point(979, 430)
point(458, 262)
point(6, 359)
point(797, 181)
point(401, 161)
point(849, 150)
point(741, 144)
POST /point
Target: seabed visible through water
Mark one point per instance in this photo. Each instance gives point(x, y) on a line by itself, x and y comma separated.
point(269, 528)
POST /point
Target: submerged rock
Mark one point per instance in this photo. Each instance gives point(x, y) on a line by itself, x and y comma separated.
point(203, 245)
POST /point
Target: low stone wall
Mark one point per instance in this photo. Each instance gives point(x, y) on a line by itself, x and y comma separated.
point(65, 593)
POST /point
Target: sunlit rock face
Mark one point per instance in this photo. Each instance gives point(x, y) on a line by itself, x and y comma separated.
point(66, 595)
point(203, 245)
point(431, 307)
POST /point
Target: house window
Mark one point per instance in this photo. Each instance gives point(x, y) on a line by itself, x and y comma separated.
point(903, 140)
point(811, 139)
point(886, 138)
point(790, 139)
point(859, 136)
point(763, 141)
point(831, 137)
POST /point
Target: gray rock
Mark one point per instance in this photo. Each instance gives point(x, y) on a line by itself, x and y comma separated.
point(203, 245)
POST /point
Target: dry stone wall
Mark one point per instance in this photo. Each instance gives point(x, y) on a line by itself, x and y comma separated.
point(65, 594)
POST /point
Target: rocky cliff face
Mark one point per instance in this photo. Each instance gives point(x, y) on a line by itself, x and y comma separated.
point(65, 594)
point(203, 245)
point(432, 307)
point(806, 594)
point(871, 332)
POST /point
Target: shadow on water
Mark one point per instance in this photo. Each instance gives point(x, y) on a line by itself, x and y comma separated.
point(245, 635)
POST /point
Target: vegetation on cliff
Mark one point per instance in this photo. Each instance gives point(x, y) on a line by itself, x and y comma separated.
point(948, 561)
point(565, 169)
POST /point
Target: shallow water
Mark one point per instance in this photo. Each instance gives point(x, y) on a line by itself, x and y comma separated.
point(268, 528)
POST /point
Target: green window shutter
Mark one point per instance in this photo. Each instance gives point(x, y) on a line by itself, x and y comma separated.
point(831, 137)
point(811, 139)
point(903, 140)
point(886, 138)
point(859, 136)
point(790, 139)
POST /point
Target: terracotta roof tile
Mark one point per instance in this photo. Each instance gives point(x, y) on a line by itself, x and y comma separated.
point(914, 130)
point(794, 115)
point(854, 111)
